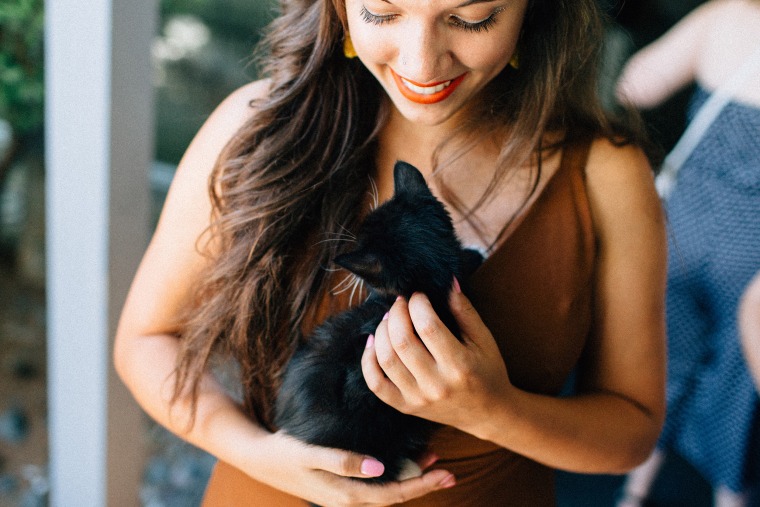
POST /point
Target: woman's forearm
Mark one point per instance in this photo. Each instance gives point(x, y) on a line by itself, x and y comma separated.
point(146, 365)
point(589, 433)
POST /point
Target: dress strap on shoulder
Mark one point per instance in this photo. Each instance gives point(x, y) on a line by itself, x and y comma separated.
point(575, 156)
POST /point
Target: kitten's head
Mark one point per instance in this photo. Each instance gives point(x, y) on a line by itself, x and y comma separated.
point(408, 243)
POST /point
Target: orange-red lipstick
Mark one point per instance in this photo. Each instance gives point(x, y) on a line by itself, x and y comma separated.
point(426, 93)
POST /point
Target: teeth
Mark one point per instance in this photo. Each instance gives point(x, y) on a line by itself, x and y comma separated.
point(425, 90)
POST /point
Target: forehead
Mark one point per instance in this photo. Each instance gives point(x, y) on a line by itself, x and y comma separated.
point(440, 4)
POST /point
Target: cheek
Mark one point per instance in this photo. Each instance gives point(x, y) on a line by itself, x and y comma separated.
point(487, 58)
point(373, 44)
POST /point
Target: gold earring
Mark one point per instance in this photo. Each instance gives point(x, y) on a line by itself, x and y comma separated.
point(348, 47)
point(515, 61)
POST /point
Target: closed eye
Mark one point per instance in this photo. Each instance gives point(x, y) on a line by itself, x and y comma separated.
point(475, 26)
point(376, 19)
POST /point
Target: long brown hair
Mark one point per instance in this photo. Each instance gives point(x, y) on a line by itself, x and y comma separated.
point(299, 169)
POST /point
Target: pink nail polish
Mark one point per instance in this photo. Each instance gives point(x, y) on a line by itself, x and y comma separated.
point(457, 287)
point(370, 341)
point(372, 468)
point(385, 317)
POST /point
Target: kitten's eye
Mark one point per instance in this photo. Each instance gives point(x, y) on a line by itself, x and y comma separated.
point(376, 19)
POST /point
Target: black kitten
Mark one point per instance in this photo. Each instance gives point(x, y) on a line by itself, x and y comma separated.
point(404, 246)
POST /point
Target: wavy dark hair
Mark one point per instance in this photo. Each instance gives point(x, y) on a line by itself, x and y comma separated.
point(299, 170)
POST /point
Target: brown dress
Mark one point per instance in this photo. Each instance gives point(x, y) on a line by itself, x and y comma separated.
point(535, 295)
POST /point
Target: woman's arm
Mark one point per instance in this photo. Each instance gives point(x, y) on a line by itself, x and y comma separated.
point(749, 326)
point(614, 421)
point(668, 64)
point(147, 347)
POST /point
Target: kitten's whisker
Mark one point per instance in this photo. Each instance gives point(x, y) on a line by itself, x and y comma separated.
point(374, 193)
point(344, 284)
point(357, 283)
point(346, 232)
point(327, 240)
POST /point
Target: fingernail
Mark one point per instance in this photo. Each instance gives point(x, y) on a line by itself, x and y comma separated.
point(370, 341)
point(385, 317)
point(457, 287)
point(372, 468)
point(448, 482)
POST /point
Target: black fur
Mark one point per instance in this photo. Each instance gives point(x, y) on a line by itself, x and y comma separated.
point(404, 246)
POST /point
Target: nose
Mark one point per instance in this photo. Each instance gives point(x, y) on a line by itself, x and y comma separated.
point(423, 53)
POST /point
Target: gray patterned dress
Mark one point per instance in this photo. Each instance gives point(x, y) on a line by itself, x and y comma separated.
point(714, 238)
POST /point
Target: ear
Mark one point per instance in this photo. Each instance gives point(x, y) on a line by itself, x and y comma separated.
point(407, 178)
point(366, 266)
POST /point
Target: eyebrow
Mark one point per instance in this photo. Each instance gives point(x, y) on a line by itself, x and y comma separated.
point(471, 2)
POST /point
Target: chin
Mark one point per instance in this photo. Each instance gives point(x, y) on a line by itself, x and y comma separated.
point(426, 115)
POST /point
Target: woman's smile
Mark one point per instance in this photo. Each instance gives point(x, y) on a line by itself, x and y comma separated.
point(426, 93)
point(433, 58)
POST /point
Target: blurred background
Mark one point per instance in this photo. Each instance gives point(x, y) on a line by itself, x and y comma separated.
point(200, 50)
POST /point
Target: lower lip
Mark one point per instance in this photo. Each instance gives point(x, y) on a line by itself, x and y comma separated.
point(420, 98)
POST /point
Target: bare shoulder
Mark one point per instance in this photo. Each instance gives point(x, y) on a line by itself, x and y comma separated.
point(620, 185)
point(188, 202)
point(225, 121)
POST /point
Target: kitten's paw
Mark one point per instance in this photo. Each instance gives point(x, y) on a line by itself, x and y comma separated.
point(410, 470)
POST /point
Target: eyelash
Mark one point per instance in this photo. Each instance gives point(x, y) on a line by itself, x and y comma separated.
point(480, 26)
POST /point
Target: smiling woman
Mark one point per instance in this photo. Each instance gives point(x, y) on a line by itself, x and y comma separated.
point(414, 48)
point(535, 176)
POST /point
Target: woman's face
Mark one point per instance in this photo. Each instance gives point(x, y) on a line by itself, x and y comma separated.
point(433, 57)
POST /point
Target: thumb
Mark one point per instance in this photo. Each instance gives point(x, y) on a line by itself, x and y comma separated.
point(347, 464)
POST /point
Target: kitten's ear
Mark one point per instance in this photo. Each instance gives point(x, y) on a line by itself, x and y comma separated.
point(407, 178)
point(366, 266)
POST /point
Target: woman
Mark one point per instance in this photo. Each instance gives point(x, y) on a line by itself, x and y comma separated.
point(494, 101)
point(713, 212)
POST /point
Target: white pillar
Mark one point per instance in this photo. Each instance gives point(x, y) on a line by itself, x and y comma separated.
point(99, 144)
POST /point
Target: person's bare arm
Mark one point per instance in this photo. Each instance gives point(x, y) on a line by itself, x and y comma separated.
point(147, 347)
point(749, 327)
point(668, 64)
point(613, 423)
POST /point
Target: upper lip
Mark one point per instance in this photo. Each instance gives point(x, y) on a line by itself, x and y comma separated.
point(423, 85)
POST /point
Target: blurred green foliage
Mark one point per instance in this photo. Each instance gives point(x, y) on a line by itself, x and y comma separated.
point(190, 87)
point(21, 64)
point(230, 19)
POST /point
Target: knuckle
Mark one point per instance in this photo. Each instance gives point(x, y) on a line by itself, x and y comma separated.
point(426, 326)
point(373, 383)
point(348, 498)
point(385, 358)
point(344, 464)
point(439, 392)
point(400, 342)
point(459, 376)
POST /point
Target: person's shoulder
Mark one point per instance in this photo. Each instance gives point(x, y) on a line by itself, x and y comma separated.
point(235, 110)
point(610, 161)
point(222, 124)
point(620, 184)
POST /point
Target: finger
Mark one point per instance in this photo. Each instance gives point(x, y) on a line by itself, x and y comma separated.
point(345, 463)
point(399, 492)
point(441, 344)
point(406, 344)
point(470, 324)
point(375, 378)
point(394, 368)
point(427, 460)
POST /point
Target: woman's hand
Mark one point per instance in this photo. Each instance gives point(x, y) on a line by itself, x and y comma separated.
point(416, 365)
point(323, 476)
